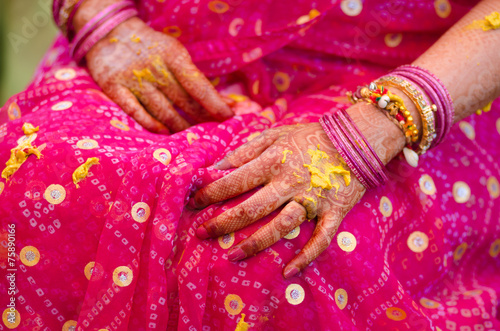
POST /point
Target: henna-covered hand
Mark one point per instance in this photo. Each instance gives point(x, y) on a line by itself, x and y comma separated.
point(147, 72)
point(299, 167)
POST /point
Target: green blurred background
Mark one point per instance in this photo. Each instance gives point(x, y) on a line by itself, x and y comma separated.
point(26, 32)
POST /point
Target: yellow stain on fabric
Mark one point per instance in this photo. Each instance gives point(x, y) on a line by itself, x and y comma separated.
point(83, 171)
point(18, 155)
point(285, 152)
point(242, 325)
point(145, 74)
point(323, 172)
point(28, 129)
point(490, 22)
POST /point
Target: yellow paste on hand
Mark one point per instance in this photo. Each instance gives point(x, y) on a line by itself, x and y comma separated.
point(242, 325)
point(490, 22)
point(285, 152)
point(18, 155)
point(82, 171)
point(135, 39)
point(323, 172)
point(28, 129)
point(113, 40)
point(145, 74)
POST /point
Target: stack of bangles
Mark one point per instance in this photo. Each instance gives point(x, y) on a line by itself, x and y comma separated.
point(429, 96)
point(95, 29)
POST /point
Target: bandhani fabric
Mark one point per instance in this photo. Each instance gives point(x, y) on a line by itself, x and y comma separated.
point(119, 252)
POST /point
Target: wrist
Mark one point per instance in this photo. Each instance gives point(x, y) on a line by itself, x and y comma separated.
point(87, 10)
point(386, 139)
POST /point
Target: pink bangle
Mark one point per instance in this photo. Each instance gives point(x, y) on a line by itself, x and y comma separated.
point(94, 23)
point(70, 28)
point(102, 31)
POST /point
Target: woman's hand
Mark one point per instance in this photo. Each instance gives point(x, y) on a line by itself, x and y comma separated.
point(147, 72)
point(299, 167)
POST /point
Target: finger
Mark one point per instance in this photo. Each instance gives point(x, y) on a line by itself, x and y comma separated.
point(176, 93)
point(161, 108)
point(322, 236)
point(131, 106)
point(310, 203)
point(261, 204)
point(196, 84)
point(239, 181)
point(250, 150)
point(288, 219)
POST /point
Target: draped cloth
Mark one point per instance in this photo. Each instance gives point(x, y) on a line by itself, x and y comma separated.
point(120, 251)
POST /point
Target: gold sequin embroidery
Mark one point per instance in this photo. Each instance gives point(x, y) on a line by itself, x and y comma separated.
point(293, 234)
point(443, 8)
point(29, 256)
point(495, 248)
point(385, 206)
point(418, 242)
point(163, 155)
point(122, 276)
point(63, 105)
point(14, 112)
point(87, 144)
point(294, 294)
point(428, 303)
point(55, 194)
point(468, 130)
point(191, 137)
point(461, 192)
point(119, 125)
point(2, 186)
point(218, 7)
point(11, 319)
point(281, 81)
point(341, 298)
point(395, 313)
point(427, 185)
point(351, 7)
point(226, 240)
point(140, 212)
point(346, 241)
point(393, 39)
point(460, 251)
point(65, 74)
point(493, 187)
point(69, 325)
point(233, 304)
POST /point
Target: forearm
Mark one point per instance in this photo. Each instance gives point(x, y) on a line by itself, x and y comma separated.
point(468, 63)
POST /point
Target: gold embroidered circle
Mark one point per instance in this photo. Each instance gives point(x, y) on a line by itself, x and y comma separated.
point(493, 187)
point(473, 293)
point(295, 294)
point(14, 112)
point(468, 130)
point(122, 276)
point(281, 81)
point(385, 206)
point(87, 144)
point(351, 7)
point(495, 248)
point(172, 31)
point(233, 304)
point(69, 325)
point(293, 234)
point(89, 269)
point(460, 251)
point(63, 105)
point(461, 192)
point(393, 39)
point(341, 298)
point(55, 194)
point(395, 313)
point(269, 114)
point(443, 8)
point(163, 155)
point(11, 319)
point(191, 137)
point(218, 7)
point(29, 256)
point(140, 212)
point(498, 125)
point(29, 138)
point(418, 242)
point(119, 125)
point(226, 240)
point(427, 184)
point(346, 241)
point(2, 186)
point(428, 303)
point(65, 74)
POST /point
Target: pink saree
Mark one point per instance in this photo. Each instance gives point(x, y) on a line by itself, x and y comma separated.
point(120, 251)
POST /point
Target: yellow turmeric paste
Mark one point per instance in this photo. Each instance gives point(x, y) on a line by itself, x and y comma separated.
point(145, 74)
point(18, 155)
point(323, 172)
point(28, 129)
point(82, 171)
point(285, 152)
point(242, 325)
point(490, 22)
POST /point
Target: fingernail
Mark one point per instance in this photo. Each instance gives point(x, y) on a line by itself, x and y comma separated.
point(236, 254)
point(202, 233)
point(222, 165)
point(290, 272)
